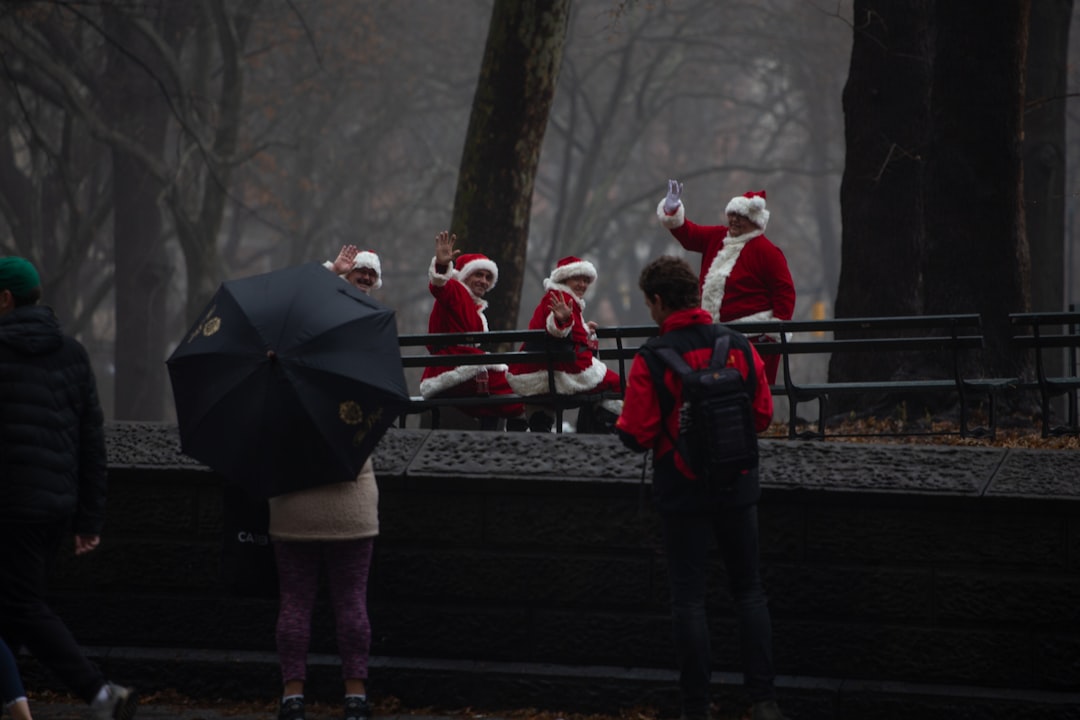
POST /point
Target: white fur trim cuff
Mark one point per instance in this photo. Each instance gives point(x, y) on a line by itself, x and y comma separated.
point(536, 383)
point(671, 221)
point(437, 279)
point(763, 316)
point(442, 382)
point(553, 328)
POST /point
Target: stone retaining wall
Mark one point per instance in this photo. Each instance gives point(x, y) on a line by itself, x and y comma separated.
point(953, 568)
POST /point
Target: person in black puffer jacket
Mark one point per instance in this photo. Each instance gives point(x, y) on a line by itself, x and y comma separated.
point(52, 479)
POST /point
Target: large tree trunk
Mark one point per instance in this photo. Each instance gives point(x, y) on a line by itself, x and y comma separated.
point(933, 188)
point(974, 211)
point(886, 122)
point(1044, 157)
point(141, 268)
point(1044, 150)
point(502, 146)
point(198, 215)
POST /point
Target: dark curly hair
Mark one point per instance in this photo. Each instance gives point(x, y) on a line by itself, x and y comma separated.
point(673, 280)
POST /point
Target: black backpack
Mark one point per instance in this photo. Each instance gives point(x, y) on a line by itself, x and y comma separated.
point(716, 421)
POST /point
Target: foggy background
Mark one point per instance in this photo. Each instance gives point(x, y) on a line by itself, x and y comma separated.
point(353, 121)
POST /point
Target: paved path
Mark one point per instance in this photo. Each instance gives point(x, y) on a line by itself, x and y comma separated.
point(67, 711)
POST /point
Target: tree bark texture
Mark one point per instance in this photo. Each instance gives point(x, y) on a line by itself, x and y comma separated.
point(141, 269)
point(1044, 150)
point(977, 256)
point(510, 110)
point(932, 195)
point(887, 118)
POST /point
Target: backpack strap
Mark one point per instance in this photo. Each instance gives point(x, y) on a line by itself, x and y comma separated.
point(655, 363)
point(655, 358)
point(751, 374)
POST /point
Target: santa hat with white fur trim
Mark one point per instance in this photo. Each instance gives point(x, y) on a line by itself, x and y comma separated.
point(750, 205)
point(368, 259)
point(466, 265)
point(569, 267)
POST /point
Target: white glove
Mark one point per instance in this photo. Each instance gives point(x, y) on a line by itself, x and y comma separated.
point(672, 201)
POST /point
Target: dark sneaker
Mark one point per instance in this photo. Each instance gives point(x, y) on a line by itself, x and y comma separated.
point(119, 704)
point(540, 421)
point(767, 710)
point(291, 709)
point(357, 709)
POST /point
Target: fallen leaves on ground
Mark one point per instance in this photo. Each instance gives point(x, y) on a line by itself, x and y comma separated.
point(927, 432)
point(385, 707)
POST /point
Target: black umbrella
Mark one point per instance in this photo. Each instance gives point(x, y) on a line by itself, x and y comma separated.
point(288, 380)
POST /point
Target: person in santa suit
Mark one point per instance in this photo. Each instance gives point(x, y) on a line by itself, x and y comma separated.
point(560, 313)
point(359, 268)
point(744, 277)
point(458, 284)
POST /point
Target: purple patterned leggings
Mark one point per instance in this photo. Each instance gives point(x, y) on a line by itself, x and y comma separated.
point(347, 563)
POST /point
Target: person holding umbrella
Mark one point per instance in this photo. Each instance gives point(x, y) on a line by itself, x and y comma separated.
point(361, 269)
point(332, 526)
point(458, 284)
point(285, 384)
point(52, 480)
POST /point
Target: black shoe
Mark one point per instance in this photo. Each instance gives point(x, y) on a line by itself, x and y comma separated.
point(516, 425)
point(291, 709)
point(357, 709)
point(767, 710)
point(596, 420)
point(541, 422)
point(119, 704)
point(605, 420)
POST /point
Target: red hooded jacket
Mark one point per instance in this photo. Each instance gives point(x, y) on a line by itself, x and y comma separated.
point(639, 425)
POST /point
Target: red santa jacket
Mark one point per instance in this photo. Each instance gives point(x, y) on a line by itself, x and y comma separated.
point(640, 417)
point(742, 278)
point(581, 375)
point(456, 310)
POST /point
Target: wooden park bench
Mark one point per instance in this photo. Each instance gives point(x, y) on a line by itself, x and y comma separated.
point(956, 335)
point(1044, 333)
point(549, 350)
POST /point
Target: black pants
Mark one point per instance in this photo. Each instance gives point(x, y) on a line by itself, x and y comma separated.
point(25, 552)
point(688, 541)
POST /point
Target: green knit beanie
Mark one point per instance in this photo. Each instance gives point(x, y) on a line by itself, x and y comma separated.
point(18, 276)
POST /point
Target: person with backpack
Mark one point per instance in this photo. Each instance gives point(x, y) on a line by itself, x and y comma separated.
point(701, 501)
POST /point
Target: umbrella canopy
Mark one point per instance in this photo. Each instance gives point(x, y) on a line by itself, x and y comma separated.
point(288, 380)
